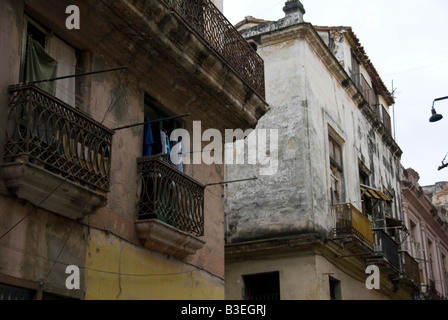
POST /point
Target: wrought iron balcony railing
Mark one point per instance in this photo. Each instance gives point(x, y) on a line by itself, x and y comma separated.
point(203, 17)
point(367, 91)
point(45, 131)
point(388, 248)
point(351, 222)
point(433, 293)
point(411, 268)
point(170, 196)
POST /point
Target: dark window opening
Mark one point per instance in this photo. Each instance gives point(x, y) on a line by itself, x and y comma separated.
point(37, 34)
point(335, 289)
point(337, 172)
point(53, 296)
point(159, 190)
point(157, 134)
point(13, 293)
point(368, 204)
point(265, 286)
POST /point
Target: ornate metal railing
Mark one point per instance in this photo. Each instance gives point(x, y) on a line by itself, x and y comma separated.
point(386, 120)
point(411, 268)
point(433, 293)
point(350, 221)
point(388, 248)
point(45, 131)
point(367, 91)
point(264, 297)
point(170, 196)
point(223, 38)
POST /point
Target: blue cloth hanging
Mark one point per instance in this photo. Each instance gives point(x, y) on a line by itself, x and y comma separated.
point(148, 139)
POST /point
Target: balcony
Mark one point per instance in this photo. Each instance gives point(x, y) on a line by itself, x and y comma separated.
point(367, 91)
point(170, 215)
point(410, 268)
point(433, 293)
point(55, 157)
point(352, 224)
point(388, 248)
point(223, 38)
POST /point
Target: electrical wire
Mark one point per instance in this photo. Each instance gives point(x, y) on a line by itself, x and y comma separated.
point(412, 61)
point(419, 68)
point(59, 254)
point(35, 208)
point(56, 261)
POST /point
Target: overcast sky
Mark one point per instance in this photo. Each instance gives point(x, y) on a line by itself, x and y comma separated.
point(407, 42)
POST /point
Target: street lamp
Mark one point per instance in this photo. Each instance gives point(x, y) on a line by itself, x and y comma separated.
point(435, 116)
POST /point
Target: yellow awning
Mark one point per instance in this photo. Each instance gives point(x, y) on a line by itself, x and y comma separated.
point(374, 193)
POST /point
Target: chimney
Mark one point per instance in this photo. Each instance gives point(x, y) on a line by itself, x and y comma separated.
point(294, 10)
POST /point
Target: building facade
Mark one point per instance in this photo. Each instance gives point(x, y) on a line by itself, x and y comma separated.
point(425, 217)
point(331, 213)
point(89, 194)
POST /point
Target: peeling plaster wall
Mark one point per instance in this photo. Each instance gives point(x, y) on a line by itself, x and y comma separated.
point(306, 100)
point(303, 276)
point(114, 99)
point(42, 245)
point(119, 270)
point(281, 204)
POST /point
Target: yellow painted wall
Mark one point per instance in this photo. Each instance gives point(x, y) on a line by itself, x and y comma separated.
point(118, 270)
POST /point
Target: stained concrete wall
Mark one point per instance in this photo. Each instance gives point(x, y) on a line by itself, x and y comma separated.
point(35, 245)
point(303, 276)
point(40, 247)
point(306, 100)
point(119, 270)
point(114, 99)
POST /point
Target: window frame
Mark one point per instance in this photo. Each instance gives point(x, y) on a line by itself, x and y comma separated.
point(250, 279)
point(336, 168)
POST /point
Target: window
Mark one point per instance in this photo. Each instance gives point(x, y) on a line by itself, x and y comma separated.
point(431, 261)
point(335, 289)
point(364, 178)
point(46, 56)
point(445, 270)
point(415, 245)
point(13, 293)
point(264, 286)
point(157, 134)
point(387, 120)
point(355, 72)
point(164, 197)
point(37, 64)
point(337, 173)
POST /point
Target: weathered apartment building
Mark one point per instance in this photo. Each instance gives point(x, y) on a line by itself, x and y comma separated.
point(426, 219)
point(85, 180)
point(314, 230)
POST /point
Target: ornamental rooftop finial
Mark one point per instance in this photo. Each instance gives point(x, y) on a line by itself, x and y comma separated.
point(294, 8)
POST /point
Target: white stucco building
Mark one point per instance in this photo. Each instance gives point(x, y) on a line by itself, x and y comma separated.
point(334, 206)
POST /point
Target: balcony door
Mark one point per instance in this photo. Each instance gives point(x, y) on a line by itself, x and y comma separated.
point(45, 56)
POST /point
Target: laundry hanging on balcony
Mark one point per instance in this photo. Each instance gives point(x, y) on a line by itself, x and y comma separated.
point(148, 139)
point(40, 65)
point(158, 142)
